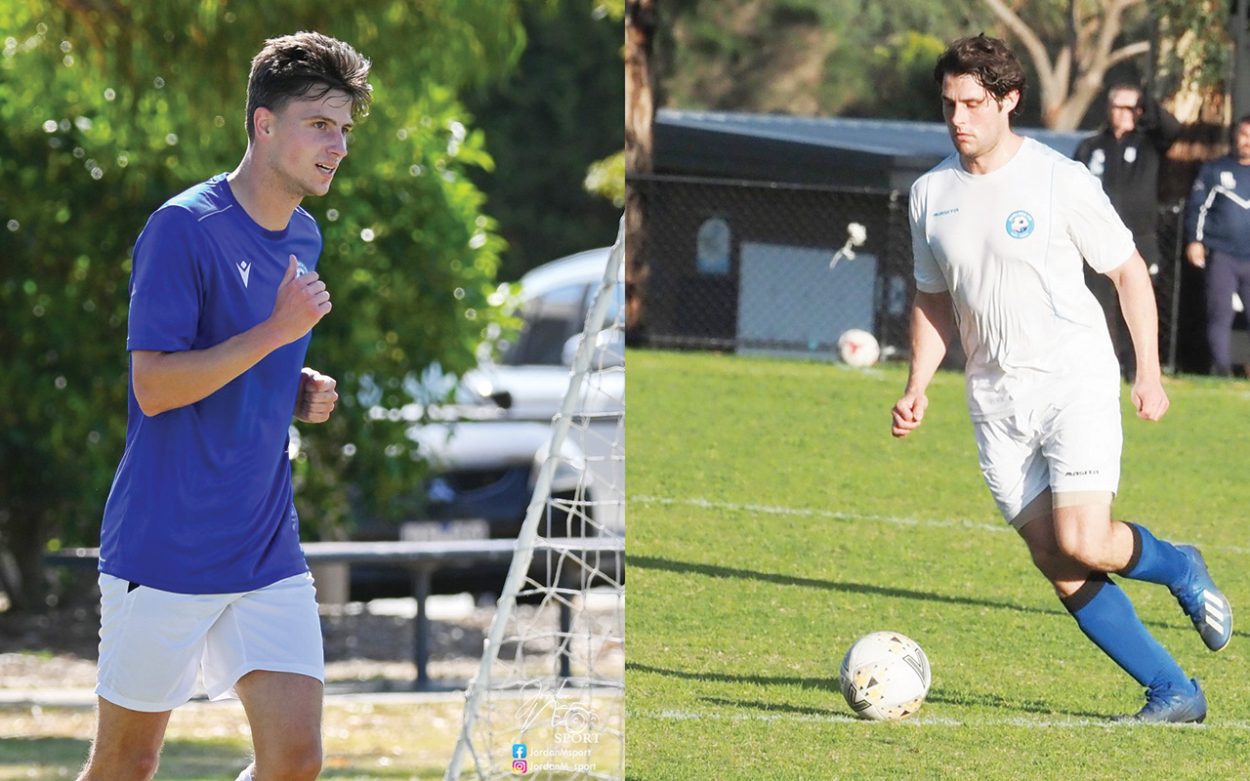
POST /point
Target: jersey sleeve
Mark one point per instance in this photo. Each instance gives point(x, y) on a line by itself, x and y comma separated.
point(928, 274)
point(1196, 203)
point(165, 284)
point(1092, 223)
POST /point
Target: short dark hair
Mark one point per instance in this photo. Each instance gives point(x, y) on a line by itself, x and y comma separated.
point(1244, 119)
point(989, 61)
point(306, 65)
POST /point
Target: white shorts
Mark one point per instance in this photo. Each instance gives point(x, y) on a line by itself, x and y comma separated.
point(1070, 447)
point(153, 643)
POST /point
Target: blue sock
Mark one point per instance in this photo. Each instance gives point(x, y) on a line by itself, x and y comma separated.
point(1155, 560)
point(1104, 613)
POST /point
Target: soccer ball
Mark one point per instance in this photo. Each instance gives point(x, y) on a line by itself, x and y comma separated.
point(858, 348)
point(885, 676)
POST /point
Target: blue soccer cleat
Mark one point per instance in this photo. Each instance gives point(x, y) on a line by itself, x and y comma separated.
point(1166, 704)
point(1205, 604)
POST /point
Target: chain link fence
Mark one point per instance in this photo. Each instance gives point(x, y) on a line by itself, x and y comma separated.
point(748, 267)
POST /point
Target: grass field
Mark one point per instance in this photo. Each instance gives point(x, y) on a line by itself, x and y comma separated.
point(210, 741)
point(773, 521)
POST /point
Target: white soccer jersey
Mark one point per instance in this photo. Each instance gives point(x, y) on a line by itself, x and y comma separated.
point(1008, 245)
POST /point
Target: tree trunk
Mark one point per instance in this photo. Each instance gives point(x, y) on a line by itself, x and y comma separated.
point(640, 27)
point(1072, 79)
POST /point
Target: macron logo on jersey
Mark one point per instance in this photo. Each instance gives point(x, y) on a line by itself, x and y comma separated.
point(245, 270)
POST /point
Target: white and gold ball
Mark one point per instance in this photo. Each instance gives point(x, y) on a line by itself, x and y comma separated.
point(884, 676)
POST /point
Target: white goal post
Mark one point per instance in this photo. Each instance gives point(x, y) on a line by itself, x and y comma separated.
point(548, 699)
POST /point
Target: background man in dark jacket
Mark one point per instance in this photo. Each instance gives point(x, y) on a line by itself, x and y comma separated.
point(1126, 156)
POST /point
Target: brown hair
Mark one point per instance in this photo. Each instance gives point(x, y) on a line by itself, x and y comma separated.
point(989, 61)
point(306, 65)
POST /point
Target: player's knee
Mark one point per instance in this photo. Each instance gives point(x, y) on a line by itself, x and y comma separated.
point(298, 761)
point(1081, 546)
point(133, 765)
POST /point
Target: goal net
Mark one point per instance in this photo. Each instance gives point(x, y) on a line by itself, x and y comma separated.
point(548, 698)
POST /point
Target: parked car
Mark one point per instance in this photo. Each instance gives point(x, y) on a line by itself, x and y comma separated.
point(481, 477)
point(532, 374)
point(531, 377)
point(487, 448)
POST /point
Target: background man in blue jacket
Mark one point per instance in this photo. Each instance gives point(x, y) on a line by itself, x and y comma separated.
point(1217, 232)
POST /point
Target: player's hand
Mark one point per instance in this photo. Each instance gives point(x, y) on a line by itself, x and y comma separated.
point(301, 302)
point(1149, 399)
point(1196, 254)
point(317, 397)
point(908, 414)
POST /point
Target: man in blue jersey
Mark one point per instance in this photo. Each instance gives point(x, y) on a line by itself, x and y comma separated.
point(1217, 232)
point(1001, 232)
point(200, 564)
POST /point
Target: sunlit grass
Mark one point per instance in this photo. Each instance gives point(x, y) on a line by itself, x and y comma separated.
point(773, 520)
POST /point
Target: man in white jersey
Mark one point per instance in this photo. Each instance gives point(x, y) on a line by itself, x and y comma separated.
point(1000, 232)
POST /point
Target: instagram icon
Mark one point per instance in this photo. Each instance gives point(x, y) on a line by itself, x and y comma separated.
point(520, 767)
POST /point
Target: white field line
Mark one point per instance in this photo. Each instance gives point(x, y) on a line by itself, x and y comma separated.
point(833, 515)
point(1238, 725)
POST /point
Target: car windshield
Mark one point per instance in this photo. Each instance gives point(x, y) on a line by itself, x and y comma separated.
point(549, 321)
point(551, 318)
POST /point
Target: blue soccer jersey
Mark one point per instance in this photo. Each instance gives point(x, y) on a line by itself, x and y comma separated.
point(202, 499)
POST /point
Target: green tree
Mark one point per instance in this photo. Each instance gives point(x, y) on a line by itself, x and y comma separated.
point(545, 123)
point(805, 57)
point(107, 109)
point(1073, 45)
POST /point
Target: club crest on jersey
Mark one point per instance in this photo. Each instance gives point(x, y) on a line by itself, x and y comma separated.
point(300, 268)
point(1228, 180)
point(1019, 224)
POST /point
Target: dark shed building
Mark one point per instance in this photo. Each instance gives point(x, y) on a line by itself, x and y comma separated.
point(746, 211)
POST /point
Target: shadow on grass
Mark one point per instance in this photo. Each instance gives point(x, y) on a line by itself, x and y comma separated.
point(964, 699)
point(940, 696)
point(717, 571)
point(988, 700)
point(776, 707)
point(822, 684)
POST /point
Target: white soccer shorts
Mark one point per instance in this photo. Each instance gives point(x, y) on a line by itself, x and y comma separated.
point(154, 643)
point(1070, 446)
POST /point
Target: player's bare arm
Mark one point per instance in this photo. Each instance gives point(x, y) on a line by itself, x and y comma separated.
point(317, 397)
point(1137, 302)
point(165, 381)
point(932, 327)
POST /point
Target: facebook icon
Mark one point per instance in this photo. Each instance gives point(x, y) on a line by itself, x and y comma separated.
point(519, 751)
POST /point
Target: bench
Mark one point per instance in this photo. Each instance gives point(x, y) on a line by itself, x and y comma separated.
point(421, 559)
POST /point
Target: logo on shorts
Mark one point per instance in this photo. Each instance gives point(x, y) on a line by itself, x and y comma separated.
point(1019, 224)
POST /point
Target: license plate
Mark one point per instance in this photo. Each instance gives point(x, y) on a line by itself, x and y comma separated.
point(444, 531)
